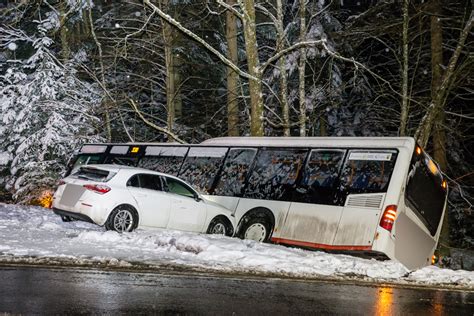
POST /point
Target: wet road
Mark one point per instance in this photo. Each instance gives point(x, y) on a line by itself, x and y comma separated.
point(28, 290)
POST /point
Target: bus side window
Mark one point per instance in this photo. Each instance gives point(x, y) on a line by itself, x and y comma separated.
point(320, 176)
point(367, 172)
point(165, 164)
point(235, 171)
point(201, 167)
point(275, 173)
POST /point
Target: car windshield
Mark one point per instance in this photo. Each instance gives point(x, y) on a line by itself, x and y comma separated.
point(94, 174)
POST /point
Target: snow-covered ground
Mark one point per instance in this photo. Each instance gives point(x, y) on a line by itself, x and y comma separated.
point(37, 235)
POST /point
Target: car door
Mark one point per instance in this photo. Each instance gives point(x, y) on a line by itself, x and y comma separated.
point(186, 213)
point(154, 204)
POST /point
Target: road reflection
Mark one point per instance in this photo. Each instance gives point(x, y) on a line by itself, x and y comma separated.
point(384, 304)
point(438, 301)
point(392, 301)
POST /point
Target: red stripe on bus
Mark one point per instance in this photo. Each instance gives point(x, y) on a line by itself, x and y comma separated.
point(320, 246)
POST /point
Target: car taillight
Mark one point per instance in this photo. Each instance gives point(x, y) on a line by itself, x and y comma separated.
point(97, 188)
point(388, 217)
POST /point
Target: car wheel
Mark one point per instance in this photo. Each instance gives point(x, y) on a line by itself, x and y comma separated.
point(219, 226)
point(122, 219)
point(256, 228)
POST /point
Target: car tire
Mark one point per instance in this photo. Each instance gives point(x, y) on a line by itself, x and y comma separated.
point(220, 226)
point(255, 228)
point(123, 218)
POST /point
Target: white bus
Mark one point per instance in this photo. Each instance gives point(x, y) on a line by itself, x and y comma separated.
point(381, 197)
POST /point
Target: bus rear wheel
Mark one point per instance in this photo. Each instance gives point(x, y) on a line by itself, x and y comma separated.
point(256, 228)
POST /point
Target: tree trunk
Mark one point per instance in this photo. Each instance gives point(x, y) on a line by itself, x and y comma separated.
point(285, 109)
point(302, 70)
point(404, 108)
point(173, 98)
point(232, 76)
point(323, 128)
point(106, 101)
point(255, 82)
point(439, 136)
point(170, 88)
point(63, 32)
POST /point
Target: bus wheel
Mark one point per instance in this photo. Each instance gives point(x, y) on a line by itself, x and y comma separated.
point(123, 218)
point(256, 228)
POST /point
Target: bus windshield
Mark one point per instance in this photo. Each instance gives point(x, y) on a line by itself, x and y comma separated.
point(426, 191)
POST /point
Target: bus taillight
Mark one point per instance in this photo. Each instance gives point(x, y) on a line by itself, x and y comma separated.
point(388, 217)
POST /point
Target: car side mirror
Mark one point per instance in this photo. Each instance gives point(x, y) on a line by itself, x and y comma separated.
point(197, 198)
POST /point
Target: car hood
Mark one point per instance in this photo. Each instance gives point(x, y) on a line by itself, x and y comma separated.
point(217, 205)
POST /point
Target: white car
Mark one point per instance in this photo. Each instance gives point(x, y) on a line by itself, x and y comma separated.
point(123, 198)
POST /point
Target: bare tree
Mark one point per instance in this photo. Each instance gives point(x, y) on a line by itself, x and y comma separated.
point(232, 76)
point(404, 109)
point(173, 98)
point(256, 68)
point(302, 71)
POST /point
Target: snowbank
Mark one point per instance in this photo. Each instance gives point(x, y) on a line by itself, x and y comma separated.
point(38, 235)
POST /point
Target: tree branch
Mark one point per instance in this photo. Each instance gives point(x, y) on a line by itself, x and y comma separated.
point(424, 129)
point(230, 8)
point(198, 39)
point(289, 49)
point(159, 128)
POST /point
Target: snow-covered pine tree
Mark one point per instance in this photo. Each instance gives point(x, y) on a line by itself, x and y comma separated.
point(46, 113)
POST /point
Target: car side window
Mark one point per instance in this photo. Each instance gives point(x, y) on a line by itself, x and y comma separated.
point(176, 187)
point(150, 181)
point(145, 181)
point(133, 182)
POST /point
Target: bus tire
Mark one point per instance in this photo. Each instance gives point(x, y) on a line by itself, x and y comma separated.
point(220, 226)
point(123, 218)
point(255, 227)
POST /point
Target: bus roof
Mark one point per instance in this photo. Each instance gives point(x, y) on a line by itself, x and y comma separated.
point(313, 141)
point(250, 141)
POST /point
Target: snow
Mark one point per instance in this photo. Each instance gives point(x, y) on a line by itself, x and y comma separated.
point(37, 235)
point(5, 157)
point(12, 46)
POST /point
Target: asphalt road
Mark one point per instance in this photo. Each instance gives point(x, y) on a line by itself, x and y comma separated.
point(33, 290)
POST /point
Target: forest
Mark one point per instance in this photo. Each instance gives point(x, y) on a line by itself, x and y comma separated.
point(78, 71)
